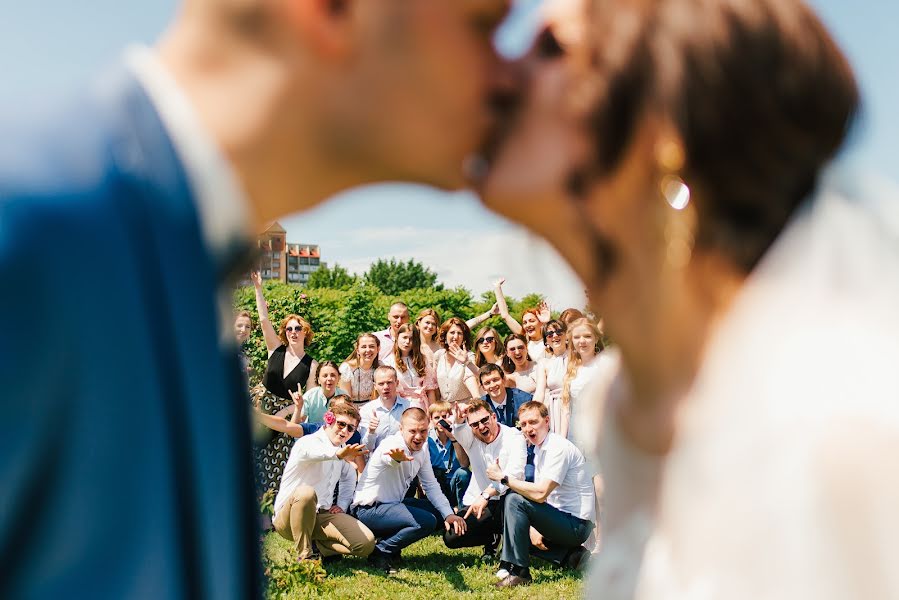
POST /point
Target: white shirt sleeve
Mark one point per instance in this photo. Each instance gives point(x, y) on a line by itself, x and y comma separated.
point(463, 435)
point(431, 487)
point(347, 486)
point(555, 464)
point(515, 456)
point(316, 450)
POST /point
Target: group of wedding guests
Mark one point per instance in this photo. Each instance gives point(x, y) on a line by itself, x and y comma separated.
point(417, 431)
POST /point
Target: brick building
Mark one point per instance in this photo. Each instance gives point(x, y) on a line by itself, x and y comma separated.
point(285, 261)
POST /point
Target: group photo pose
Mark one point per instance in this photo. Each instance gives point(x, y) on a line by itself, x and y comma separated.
point(686, 389)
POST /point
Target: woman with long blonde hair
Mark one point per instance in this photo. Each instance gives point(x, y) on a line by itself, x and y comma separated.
point(584, 345)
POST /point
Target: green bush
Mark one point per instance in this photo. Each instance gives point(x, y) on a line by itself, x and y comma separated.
point(338, 316)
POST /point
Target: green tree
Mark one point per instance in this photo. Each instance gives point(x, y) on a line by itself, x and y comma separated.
point(394, 277)
point(335, 278)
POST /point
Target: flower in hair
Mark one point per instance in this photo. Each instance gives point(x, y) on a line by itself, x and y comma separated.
point(330, 418)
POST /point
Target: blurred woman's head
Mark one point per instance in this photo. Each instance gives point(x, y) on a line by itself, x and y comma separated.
point(243, 326)
point(570, 315)
point(707, 123)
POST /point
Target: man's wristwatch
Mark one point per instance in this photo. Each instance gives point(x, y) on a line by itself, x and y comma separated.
point(504, 480)
point(485, 495)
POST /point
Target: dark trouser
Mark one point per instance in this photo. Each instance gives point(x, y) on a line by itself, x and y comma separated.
point(562, 532)
point(454, 484)
point(479, 532)
point(398, 524)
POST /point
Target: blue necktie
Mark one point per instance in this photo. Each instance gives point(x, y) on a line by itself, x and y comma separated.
point(529, 465)
point(501, 413)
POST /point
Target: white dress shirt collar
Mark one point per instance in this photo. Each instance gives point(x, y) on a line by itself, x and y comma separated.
point(222, 206)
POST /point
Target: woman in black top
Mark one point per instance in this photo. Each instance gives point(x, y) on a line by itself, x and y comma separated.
point(290, 371)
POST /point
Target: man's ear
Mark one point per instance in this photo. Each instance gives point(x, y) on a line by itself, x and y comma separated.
point(323, 26)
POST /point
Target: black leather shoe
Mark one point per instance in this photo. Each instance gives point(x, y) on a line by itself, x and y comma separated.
point(333, 558)
point(512, 581)
point(577, 559)
point(381, 562)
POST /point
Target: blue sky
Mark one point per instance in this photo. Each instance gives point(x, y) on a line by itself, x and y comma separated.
point(47, 47)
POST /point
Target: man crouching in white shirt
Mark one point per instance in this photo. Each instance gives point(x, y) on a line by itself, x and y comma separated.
point(485, 441)
point(380, 504)
point(556, 511)
point(304, 508)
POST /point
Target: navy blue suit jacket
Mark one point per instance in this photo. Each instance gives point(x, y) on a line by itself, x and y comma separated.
point(514, 399)
point(125, 462)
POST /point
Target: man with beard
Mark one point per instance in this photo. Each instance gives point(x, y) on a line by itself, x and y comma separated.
point(245, 111)
point(380, 501)
point(487, 442)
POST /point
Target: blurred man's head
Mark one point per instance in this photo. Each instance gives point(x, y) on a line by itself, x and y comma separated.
point(336, 93)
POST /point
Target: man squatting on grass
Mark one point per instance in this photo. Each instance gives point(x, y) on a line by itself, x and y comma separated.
point(555, 512)
point(486, 441)
point(305, 511)
point(380, 501)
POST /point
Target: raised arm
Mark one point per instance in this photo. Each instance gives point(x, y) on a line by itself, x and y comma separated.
point(272, 340)
point(514, 326)
point(312, 381)
point(294, 430)
point(477, 320)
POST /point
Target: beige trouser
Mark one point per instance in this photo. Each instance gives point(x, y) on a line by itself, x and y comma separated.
point(300, 521)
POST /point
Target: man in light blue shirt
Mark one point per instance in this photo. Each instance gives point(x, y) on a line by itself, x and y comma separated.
point(381, 416)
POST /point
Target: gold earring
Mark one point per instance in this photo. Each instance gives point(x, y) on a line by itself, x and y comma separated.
point(679, 237)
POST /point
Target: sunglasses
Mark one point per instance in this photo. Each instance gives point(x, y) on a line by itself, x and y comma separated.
point(297, 328)
point(486, 340)
point(479, 423)
point(553, 333)
point(344, 425)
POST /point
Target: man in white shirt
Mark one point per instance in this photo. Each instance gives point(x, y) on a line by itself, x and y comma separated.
point(556, 511)
point(486, 441)
point(381, 416)
point(304, 507)
point(380, 501)
point(396, 316)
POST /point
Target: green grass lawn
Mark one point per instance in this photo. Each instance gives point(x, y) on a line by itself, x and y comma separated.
point(429, 570)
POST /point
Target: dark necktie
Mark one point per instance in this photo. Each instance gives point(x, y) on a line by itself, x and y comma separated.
point(501, 413)
point(529, 465)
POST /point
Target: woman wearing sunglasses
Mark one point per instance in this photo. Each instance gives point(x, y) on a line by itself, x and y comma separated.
point(520, 370)
point(551, 373)
point(486, 343)
point(289, 371)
